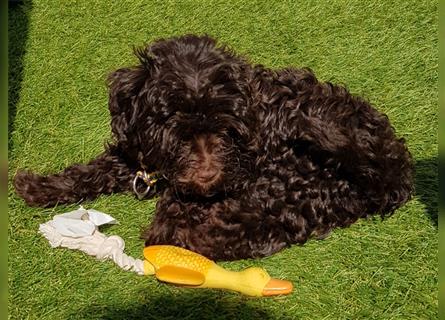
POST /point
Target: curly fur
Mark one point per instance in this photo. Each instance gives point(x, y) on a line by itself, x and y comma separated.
point(254, 159)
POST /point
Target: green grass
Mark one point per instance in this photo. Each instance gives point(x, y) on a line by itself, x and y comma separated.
point(60, 54)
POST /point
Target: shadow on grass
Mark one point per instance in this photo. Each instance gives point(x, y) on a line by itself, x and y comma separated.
point(427, 185)
point(205, 304)
point(18, 25)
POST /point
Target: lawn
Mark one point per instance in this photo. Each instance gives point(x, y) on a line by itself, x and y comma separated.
point(59, 56)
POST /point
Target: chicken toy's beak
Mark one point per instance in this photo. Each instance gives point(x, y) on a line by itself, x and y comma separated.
point(277, 287)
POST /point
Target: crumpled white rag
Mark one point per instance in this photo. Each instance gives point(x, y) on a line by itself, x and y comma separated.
point(78, 230)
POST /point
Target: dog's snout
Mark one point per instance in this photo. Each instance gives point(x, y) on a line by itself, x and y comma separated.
point(207, 175)
point(203, 168)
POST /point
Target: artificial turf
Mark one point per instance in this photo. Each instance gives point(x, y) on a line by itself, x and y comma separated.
point(59, 55)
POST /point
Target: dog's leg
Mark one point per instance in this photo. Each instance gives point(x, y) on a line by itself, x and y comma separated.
point(107, 173)
point(346, 130)
point(219, 232)
point(367, 152)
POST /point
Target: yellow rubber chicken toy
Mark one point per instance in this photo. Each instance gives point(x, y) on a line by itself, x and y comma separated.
point(186, 268)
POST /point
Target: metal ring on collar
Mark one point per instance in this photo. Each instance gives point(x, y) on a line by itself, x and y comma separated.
point(140, 175)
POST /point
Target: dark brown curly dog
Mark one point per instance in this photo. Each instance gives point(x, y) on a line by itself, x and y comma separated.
point(252, 159)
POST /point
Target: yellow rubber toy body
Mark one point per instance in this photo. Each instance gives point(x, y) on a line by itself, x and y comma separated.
point(183, 267)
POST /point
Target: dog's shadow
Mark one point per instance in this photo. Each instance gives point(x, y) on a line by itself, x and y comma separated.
point(427, 185)
point(202, 304)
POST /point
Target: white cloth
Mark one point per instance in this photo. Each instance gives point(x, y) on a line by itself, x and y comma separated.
point(78, 230)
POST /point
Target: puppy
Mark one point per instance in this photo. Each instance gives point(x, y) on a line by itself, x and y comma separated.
point(250, 160)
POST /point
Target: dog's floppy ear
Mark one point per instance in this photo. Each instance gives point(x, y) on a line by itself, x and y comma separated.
point(124, 87)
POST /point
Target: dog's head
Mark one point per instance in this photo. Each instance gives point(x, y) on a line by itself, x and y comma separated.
point(184, 111)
